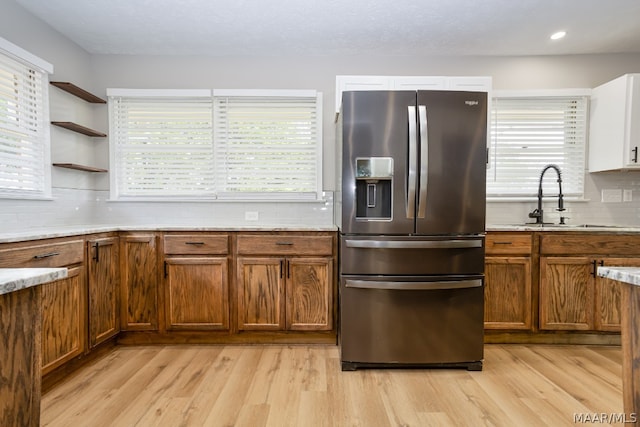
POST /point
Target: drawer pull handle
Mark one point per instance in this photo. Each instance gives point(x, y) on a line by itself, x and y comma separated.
point(284, 243)
point(48, 255)
point(503, 243)
point(194, 243)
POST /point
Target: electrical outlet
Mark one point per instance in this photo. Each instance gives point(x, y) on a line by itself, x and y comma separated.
point(612, 195)
point(627, 195)
point(251, 216)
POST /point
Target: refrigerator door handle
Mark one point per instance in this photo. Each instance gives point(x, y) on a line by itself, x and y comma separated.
point(422, 244)
point(413, 286)
point(410, 204)
point(424, 161)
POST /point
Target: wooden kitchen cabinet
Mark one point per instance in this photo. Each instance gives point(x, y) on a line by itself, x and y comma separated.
point(285, 282)
point(104, 288)
point(566, 293)
point(196, 271)
point(260, 293)
point(608, 296)
point(139, 282)
point(572, 297)
point(308, 294)
point(64, 306)
point(508, 303)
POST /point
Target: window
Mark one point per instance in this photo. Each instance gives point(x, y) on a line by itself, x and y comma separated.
point(161, 145)
point(530, 132)
point(24, 127)
point(233, 145)
point(267, 145)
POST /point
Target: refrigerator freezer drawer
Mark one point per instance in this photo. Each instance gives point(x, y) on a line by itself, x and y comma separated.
point(391, 325)
point(411, 256)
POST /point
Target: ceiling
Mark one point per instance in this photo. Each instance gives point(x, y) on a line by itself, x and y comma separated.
point(344, 27)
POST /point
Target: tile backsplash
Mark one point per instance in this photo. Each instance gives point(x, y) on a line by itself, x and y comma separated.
point(591, 210)
point(82, 207)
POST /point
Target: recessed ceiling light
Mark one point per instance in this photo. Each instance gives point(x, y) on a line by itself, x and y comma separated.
point(558, 35)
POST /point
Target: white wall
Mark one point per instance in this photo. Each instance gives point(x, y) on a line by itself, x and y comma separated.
point(98, 72)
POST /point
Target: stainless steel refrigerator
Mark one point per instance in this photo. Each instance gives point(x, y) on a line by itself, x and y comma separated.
point(412, 219)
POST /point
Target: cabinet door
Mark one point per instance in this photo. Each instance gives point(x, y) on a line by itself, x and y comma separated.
point(309, 292)
point(139, 308)
point(566, 293)
point(348, 83)
point(261, 293)
point(104, 289)
point(507, 295)
point(197, 293)
point(63, 319)
point(419, 83)
point(608, 297)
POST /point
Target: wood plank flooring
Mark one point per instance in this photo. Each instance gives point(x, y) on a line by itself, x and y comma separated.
point(277, 385)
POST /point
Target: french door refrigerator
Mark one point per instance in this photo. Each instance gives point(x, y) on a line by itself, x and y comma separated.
point(412, 200)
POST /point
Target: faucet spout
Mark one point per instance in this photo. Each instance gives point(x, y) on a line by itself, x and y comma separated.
point(538, 213)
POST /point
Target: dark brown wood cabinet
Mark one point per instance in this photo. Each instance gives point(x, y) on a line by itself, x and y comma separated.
point(104, 288)
point(139, 282)
point(196, 271)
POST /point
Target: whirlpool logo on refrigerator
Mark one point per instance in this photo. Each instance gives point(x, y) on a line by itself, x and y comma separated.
point(471, 103)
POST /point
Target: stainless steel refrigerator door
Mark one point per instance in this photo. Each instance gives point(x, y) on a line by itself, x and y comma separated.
point(452, 176)
point(380, 124)
point(411, 320)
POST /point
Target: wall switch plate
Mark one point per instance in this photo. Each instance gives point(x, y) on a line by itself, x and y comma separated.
point(251, 216)
point(627, 195)
point(612, 195)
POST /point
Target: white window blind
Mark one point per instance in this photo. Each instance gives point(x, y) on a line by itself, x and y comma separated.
point(24, 131)
point(268, 146)
point(528, 133)
point(235, 145)
point(162, 146)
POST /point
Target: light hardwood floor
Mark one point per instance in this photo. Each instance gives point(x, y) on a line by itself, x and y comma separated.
point(275, 385)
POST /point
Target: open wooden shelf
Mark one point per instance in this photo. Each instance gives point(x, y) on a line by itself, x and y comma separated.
point(79, 167)
point(79, 128)
point(79, 92)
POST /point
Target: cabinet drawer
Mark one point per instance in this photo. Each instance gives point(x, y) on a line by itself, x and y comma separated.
point(594, 244)
point(519, 244)
point(196, 244)
point(45, 255)
point(285, 245)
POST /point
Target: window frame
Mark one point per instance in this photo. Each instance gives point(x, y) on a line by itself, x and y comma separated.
point(43, 139)
point(550, 183)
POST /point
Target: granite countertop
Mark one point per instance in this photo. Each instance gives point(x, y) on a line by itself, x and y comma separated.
point(629, 275)
point(48, 233)
point(14, 279)
point(596, 228)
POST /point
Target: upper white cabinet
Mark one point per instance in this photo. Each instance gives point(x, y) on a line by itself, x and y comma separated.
point(614, 130)
point(468, 83)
